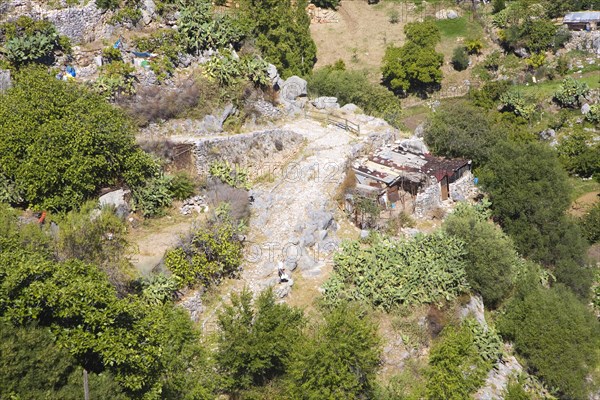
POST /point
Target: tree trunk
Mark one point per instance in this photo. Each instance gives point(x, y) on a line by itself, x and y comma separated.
point(86, 388)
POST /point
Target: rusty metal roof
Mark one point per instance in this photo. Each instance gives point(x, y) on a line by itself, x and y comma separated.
point(389, 164)
point(581, 17)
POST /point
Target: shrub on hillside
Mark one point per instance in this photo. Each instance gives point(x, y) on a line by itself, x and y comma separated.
point(414, 67)
point(518, 178)
point(59, 143)
point(460, 58)
point(354, 87)
point(591, 224)
point(491, 257)
point(458, 129)
point(557, 335)
point(456, 368)
point(571, 92)
point(338, 359)
point(254, 339)
point(26, 40)
point(207, 256)
point(426, 269)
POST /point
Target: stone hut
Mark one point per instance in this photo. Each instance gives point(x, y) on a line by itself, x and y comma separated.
point(582, 20)
point(403, 177)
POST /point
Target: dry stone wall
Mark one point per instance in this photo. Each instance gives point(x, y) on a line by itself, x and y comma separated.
point(252, 151)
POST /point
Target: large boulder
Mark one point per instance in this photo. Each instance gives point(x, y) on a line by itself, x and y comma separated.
point(5, 80)
point(148, 10)
point(326, 103)
point(292, 88)
point(585, 108)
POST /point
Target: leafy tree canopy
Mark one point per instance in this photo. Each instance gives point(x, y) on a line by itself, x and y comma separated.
point(281, 31)
point(337, 360)
point(254, 339)
point(490, 259)
point(458, 129)
point(59, 143)
point(557, 335)
point(530, 194)
point(412, 68)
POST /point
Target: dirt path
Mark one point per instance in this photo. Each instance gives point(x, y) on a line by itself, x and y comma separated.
point(151, 242)
point(584, 203)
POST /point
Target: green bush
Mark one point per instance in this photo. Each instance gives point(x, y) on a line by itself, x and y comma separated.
point(254, 339)
point(426, 269)
point(579, 154)
point(460, 58)
point(492, 60)
point(519, 104)
point(354, 87)
point(414, 67)
point(490, 259)
point(591, 224)
point(116, 79)
point(571, 92)
point(209, 255)
point(518, 178)
point(289, 46)
point(594, 115)
point(338, 360)
point(59, 143)
point(557, 335)
point(110, 54)
point(236, 177)
point(457, 129)
point(456, 369)
point(490, 93)
point(153, 197)
point(200, 30)
point(474, 46)
point(27, 40)
point(182, 186)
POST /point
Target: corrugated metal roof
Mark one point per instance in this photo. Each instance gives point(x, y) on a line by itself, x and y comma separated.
point(582, 17)
point(389, 164)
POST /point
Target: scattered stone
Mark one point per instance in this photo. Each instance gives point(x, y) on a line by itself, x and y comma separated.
point(148, 10)
point(350, 108)
point(547, 134)
point(585, 108)
point(474, 308)
point(326, 103)
point(195, 203)
point(420, 131)
point(193, 304)
point(364, 234)
point(5, 80)
point(117, 200)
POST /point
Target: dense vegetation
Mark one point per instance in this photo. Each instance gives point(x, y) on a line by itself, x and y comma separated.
point(414, 67)
point(427, 269)
point(354, 87)
point(59, 143)
point(71, 306)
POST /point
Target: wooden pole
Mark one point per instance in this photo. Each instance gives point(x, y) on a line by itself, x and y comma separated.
point(86, 388)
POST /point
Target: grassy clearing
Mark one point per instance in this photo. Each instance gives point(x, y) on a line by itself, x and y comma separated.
point(453, 28)
point(546, 90)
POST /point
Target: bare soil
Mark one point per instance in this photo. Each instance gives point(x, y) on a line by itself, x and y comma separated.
point(584, 203)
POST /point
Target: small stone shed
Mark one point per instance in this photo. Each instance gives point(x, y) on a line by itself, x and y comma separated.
point(582, 20)
point(403, 177)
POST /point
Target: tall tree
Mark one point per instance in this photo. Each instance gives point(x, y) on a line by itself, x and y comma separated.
point(530, 194)
point(59, 143)
point(338, 360)
point(281, 29)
